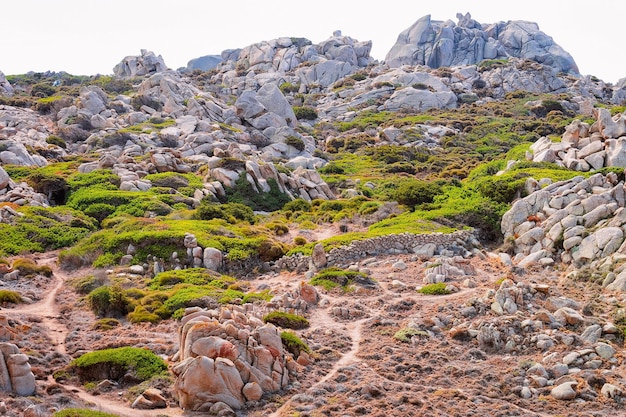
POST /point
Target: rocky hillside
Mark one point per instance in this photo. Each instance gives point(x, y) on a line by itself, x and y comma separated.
point(293, 228)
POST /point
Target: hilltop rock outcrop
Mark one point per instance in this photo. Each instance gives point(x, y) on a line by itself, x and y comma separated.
point(144, 64)
point(446, 44)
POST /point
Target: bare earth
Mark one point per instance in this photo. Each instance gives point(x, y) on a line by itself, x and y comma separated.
point(359, 367)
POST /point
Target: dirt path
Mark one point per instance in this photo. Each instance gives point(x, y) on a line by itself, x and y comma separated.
point(46, 311)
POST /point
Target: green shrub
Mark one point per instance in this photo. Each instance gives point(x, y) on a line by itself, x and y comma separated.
point(243, 193)
point(298, 204)
point(333, 277)
point(28, 268)
point(299, 241)
point(8, 296)
point(106, 323)
point(142, 315)
point(331, 168)
point(87, 284)
point(438, 288)
point(81, 412)
point(193, 276)
point(142, 363)
point(286, 320)
point(295, 141)
point(413, 193)
point(231, 212)
point(293, 343)
point(305, 113)
point(405, 334)
point(107, 301)
point(107, 259)
point(288, 87)
point(43, 229)
point(42, 90)
point(251, 297)
point(56, 140)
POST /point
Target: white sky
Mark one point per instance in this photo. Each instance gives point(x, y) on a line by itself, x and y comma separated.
point(87, 37)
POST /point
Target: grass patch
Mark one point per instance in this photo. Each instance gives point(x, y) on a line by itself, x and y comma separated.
point(438, 288)
point(293, 343)
point(406, 334)
point(143, 363)
point(10, 297)
point(286, 320)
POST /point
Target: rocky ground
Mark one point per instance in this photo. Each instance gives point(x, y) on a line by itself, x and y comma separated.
point(504, 342)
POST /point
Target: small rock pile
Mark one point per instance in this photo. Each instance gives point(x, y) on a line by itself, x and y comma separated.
point(227, 359)
point(20, 194)
point(584, 147)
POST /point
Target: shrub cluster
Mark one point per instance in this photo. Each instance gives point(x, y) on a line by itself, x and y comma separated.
point(286, 320)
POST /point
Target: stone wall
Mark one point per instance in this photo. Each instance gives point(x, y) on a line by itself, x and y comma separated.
point(427, 245)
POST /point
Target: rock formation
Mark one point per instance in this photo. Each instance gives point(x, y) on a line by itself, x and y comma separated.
point(575, 221)
point(5, 86)
point(228, 356)
point(584, 147)
point(135, 66)
point(15, 373)
point(204, 63)
point(446, 44)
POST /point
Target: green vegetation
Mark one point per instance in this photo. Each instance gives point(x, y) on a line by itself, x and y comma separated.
point(293, 343)
point(333, 277)
point(29, 269)
point(434, 289)
point(406, 334)
point(243, 193)
point(42, 229)
point(81, 412)
point(286, 320)
point(141, 362)
point(305, 113)
point(11, 297)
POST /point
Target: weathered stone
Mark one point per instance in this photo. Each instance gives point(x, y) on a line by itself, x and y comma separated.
point(318, 256)
point(564, 391)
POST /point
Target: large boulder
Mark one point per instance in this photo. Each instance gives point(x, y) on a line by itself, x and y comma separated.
point(204, 63)
point(136, 66)
point(5, 87)
point(445, 44)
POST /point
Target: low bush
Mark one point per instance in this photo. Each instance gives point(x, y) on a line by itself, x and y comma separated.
point(295, 141)
point(109, 301)
point(305, 113)
point(105, 324)
point(286, 320)
point(28, 268)
point(293, 343)
point(142, 315)
point(141, 363)
point(330, 278)
point(85, 285)
point(8, 296)
point(434, 289)
point(406, 334)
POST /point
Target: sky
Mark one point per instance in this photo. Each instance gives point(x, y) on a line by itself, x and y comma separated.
point(88, 37)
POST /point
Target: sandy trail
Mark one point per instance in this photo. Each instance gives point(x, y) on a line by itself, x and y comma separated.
point(46, 311)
